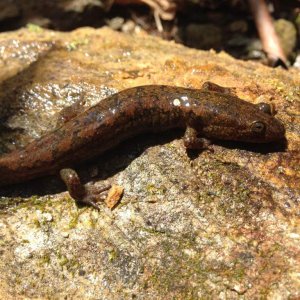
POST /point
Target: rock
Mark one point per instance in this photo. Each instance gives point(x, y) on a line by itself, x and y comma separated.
point(238, 26)
point(116, 23)
point(57, 14)
point(287, 34)
point(8, 9)
point(297, 62)
point(217, 224)
point(203, 36)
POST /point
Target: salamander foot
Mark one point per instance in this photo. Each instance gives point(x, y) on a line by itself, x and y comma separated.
point(85, 194)
point(192, 140)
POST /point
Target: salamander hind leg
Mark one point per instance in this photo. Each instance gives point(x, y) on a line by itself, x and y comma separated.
point(192, 140)
point(88, 195)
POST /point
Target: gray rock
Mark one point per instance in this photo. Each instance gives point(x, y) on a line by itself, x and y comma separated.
point(217, 225)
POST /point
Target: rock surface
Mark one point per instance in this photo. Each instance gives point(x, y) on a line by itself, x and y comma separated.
point(66, 14)
point(220, 225)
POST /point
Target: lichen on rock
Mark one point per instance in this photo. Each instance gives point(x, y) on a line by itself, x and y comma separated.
point(221, 224)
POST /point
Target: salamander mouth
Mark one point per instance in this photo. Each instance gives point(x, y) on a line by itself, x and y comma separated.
point(275, 132)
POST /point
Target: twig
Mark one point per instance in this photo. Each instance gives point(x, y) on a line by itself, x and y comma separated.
point(158, 21)
point(267, 33)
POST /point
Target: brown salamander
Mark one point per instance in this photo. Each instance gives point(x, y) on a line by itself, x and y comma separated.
point(207, 113)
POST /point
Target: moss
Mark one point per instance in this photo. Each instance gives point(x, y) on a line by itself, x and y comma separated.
point(73, 266)
point(63, 260)
point(74, 220)
point(17, 203)
point(11, 203)
point(34, 201)
point(153, 190)
point(154, 231)
point(292, 94)
point(34, 28)
point(45, 259)
point(70, 264)
point(239, 273)
point(177, 264)
point(226, 199)
point(36, 223)
point(68, 200)
point(112, 255)
point(74, 45)
point(92, 222)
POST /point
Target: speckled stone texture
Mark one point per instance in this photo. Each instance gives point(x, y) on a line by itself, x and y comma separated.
point(212, 225)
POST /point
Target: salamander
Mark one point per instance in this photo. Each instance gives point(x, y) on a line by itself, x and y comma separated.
point(209, 113)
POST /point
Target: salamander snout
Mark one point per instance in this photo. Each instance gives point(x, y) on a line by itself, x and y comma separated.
point(268, 131)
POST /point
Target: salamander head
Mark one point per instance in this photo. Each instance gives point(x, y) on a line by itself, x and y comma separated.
point(242, 121)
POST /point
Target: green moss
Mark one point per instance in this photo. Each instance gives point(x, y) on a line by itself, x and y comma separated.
point(68, 200)
point(239, 273)
point(292, 94)
point(112, 255)
point(153, 190)
point(63, 260)
point(177, 267)
point(154, 231)
point(34, 28)
point(45, 259)
point(36, 223)
point(92, 222)
point(74, 45)
point(74, 220)
point(17, 203)
point(11, 203)
point(71, 264)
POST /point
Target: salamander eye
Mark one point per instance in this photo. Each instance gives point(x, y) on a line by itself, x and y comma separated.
point(258, 127)
point(266, 108)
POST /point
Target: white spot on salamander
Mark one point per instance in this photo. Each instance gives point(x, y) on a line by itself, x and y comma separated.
point(99, 117)
point(113, 110)
point(176, 102)
point(184, 98)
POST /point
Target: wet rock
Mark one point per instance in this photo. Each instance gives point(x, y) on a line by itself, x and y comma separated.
point(201, 226)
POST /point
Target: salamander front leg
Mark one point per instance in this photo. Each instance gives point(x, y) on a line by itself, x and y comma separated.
point(70, 112)
point(192, 140)
point(212, 87)
point(81, 193)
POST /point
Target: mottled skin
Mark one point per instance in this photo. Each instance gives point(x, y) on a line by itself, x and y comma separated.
point(210, 112)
